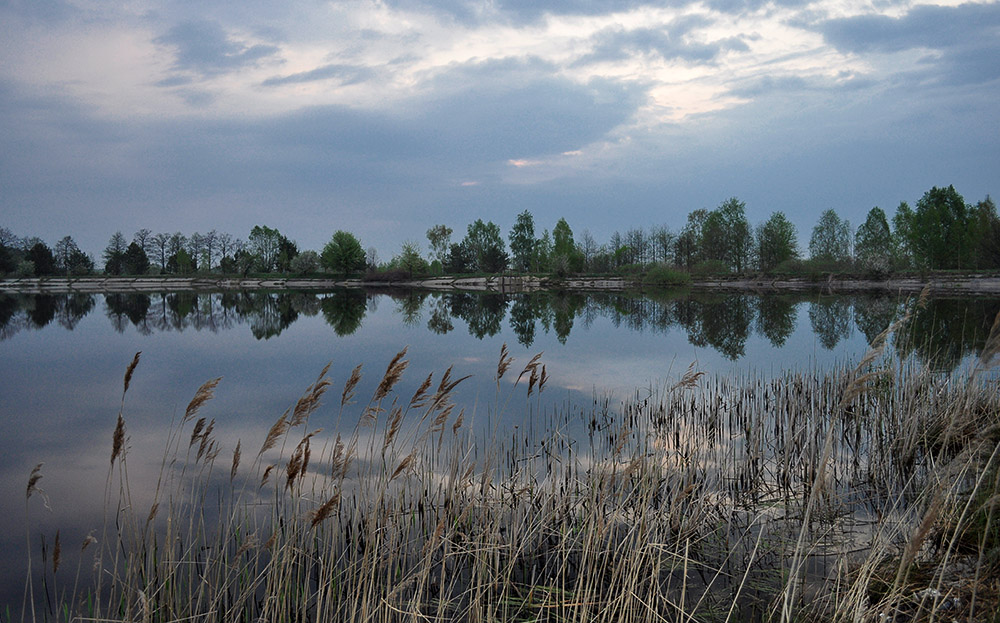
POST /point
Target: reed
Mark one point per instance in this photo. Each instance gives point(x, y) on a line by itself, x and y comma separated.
point(863, 494)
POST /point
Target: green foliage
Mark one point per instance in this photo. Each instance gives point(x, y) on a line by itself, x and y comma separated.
point(873, 244)
point(663, 275)
point(41, 256)
point(264, 244)
point(725, 235)
point(440, 238)
point(343, 254)
point(305, 263)
point(485, 247)
point(777, 242)
point(831, 239)
point(522, 242)
point(940, 232)
point(134, 260)
point(410, 261)
point(114, 254)
point(564, 250)
point(711, 267)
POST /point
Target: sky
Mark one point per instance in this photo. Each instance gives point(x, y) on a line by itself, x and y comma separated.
point(384, 118)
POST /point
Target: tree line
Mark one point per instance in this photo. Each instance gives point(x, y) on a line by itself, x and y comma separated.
point(940, 232)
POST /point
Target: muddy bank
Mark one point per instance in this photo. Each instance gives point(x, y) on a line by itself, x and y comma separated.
point(965, 284)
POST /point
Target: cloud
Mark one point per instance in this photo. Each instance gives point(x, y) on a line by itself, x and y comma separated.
point(204, 47)
point(965, 37)
point(344, 74)
point(617, 43)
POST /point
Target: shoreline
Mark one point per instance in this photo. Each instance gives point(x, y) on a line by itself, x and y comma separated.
point(964, 284)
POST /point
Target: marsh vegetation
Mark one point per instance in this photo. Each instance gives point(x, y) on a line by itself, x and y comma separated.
point(860, 493)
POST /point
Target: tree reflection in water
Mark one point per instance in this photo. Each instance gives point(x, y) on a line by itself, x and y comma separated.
point(941, 332)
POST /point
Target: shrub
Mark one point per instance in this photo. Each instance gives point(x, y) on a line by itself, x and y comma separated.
point(711, 267)
point(663, 275)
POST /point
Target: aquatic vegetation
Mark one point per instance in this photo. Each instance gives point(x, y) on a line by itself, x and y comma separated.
point(853, 495)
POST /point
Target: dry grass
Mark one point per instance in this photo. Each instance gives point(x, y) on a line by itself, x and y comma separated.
point(858, 495)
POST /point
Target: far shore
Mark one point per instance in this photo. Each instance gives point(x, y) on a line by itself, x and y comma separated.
point(961, 284)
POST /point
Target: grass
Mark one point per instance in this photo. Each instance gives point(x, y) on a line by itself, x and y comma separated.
point(867, 494)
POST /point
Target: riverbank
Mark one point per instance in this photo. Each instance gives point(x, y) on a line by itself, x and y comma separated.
point(964, 284)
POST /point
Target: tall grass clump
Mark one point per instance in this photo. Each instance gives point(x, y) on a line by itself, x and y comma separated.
point(864, 494)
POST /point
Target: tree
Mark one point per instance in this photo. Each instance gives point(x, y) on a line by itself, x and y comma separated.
point(902, 234)
point(725, 235)
point(305, 262)
point(264, 244)
point(410, 259)
point(287, 250)
point(873, 243)
point(196, 249)
point(63, 252)
point(41, 257)
point(144, 238)
point(564, 249)
point(343, 254)
point(114, 253)
point(486, 247)
point(776, 242)
point(831, 238)
point(210, 244)
point(159, 253)
point(522, 241)
point(940, 235)
point(135, 261)
point(440, 238)
point(987, 234)
point(687, 249)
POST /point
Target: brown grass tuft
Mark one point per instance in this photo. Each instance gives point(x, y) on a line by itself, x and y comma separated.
point(504, 364)
point(277, 430)
point(317, 516)
point(236, 462)
point(56, 554)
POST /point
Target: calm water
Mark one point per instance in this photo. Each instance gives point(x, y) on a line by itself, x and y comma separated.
point(62, 358)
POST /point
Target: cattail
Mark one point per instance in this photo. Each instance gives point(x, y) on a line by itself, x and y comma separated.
point(203, 395)
point(350, 386)
point(118, 438)
point(33, 478)
point(236, 462)
point(129, 371)
point(152, 512)
point(56, 554)
point(393, 372)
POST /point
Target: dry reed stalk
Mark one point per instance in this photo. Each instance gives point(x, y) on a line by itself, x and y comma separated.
point(352, 383)
point(324, 511)
point(128, 372)
point(504, 364)
point(278, 429)
point(118, 438)
point(689, 379)
point(309, 402)
point(203, 395)
point(404, 464)
point(33, 478)
point(395, 423)
point(236, 462)
point(393, 372)
point(420, 396)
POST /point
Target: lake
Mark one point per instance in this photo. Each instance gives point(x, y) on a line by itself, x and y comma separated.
point(64, 357)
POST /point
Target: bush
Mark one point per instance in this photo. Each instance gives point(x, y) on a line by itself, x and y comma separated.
point(711, 267)
point(663, 275)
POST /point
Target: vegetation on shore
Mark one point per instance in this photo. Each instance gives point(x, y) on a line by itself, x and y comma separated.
point(942, 232)
point(867, 494)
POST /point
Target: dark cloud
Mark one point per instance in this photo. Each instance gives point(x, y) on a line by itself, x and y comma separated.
point(966, 37)
point(922, 27)
point(344, 74)
point(617, 43)
point(204, 47)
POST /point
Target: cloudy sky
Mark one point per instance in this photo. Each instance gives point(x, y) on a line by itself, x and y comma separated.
point(386, 117)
